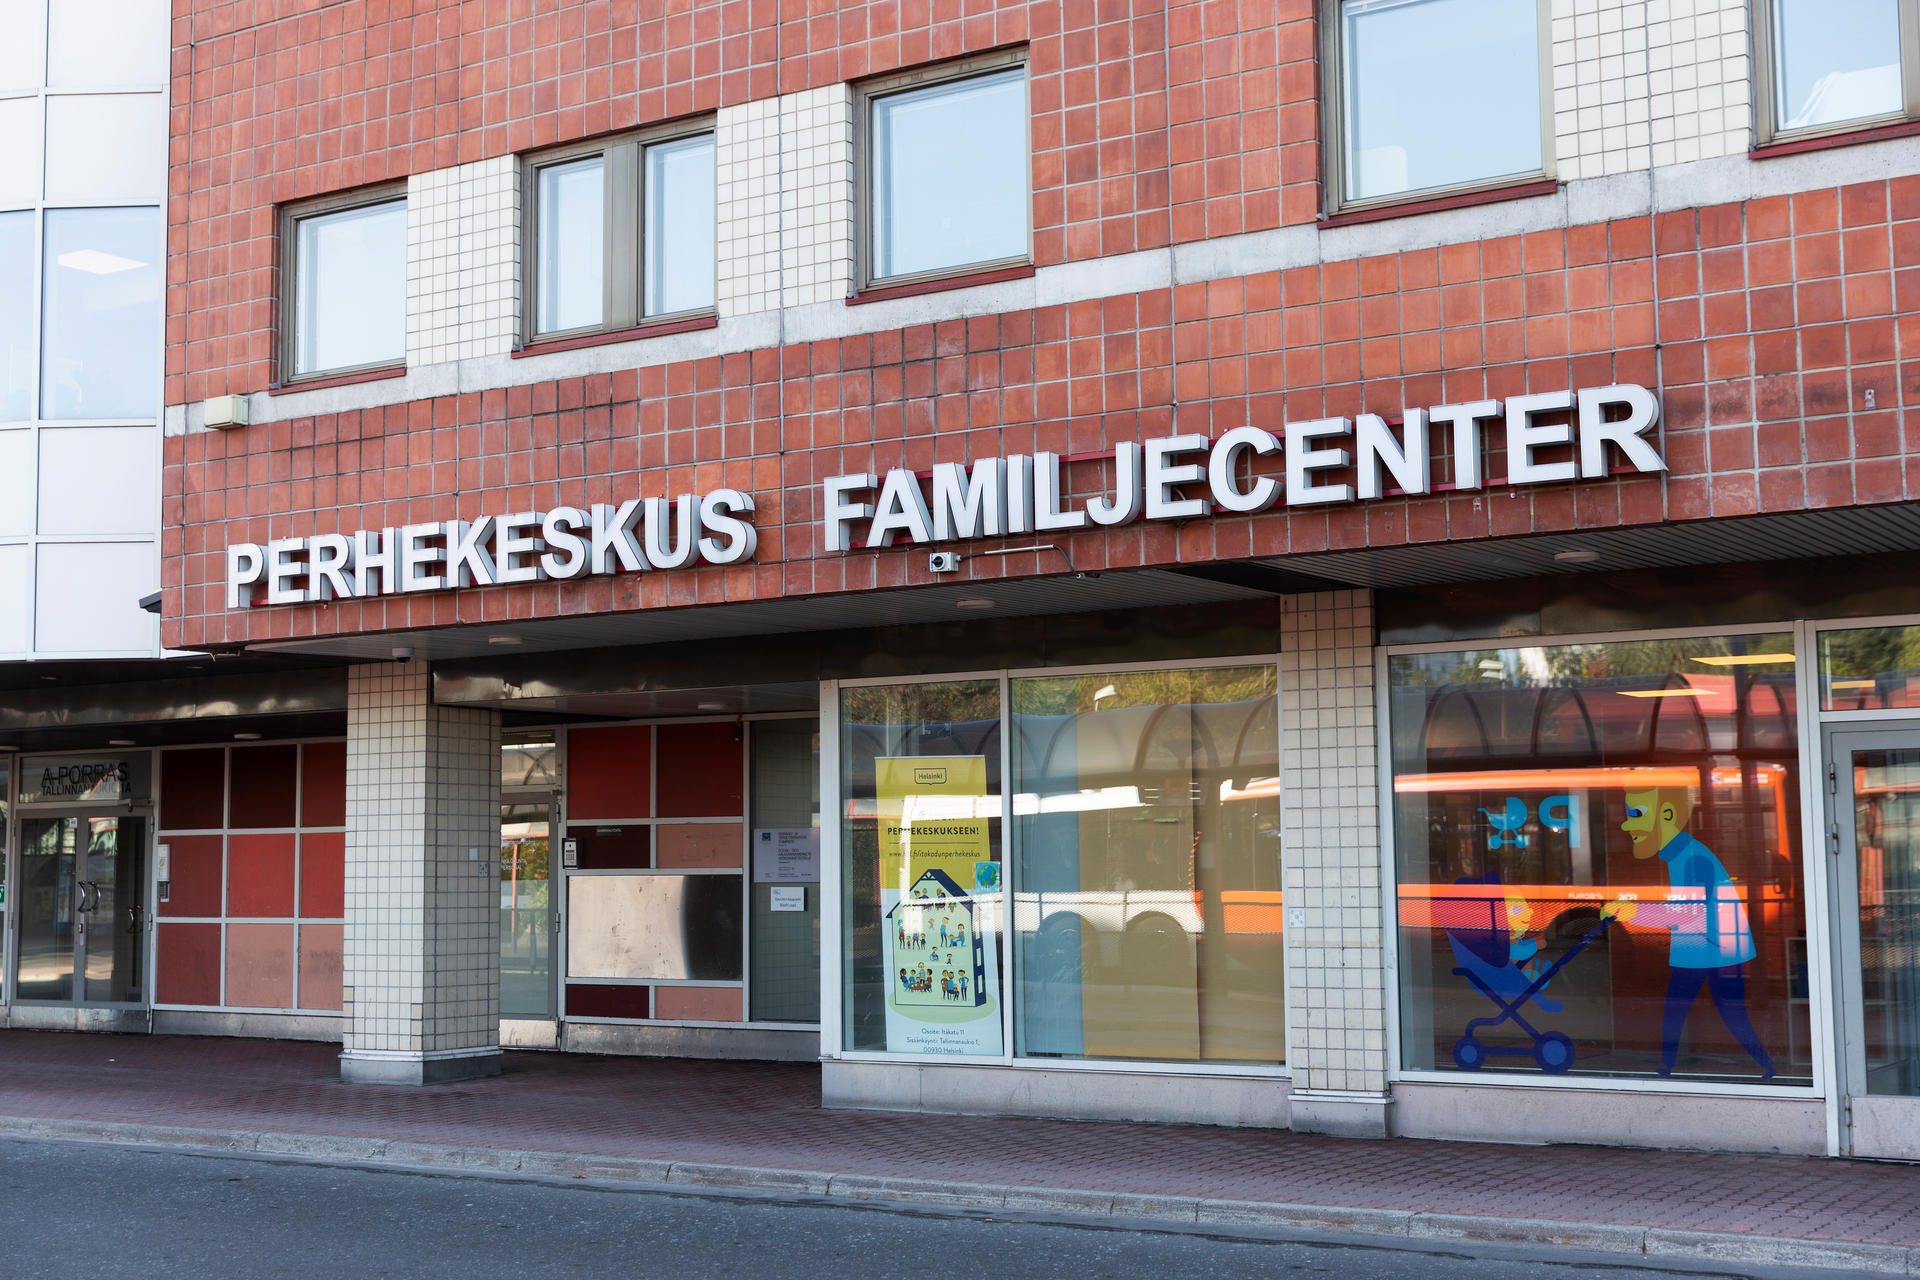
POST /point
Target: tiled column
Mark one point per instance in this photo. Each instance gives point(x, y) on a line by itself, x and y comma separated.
point(1336, 1003)
point(422, 980)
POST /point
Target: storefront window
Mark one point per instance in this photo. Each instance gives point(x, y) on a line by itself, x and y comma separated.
point(784, 937)
point(1871, 669)
point(1598, 860)
point(921, 835)
point(1147, 890)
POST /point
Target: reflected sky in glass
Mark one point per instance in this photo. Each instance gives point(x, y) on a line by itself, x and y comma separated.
point(950, 175)
point(1839, 60)
point(100, 345)
point(679, 230)
point(572, 245)
point(352, 288)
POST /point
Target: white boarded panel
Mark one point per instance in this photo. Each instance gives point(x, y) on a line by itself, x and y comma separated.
point(98, 480)
point(16, 482)
point(87, 597)
point(14, 598)
point(22, 52)
point(106, 148)
point(107, 44)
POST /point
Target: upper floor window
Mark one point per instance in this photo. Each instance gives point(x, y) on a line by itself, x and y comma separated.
point(1433, 97)
point(1835, 65)
point(345, 297)
point(621, 232)
point(945, 179)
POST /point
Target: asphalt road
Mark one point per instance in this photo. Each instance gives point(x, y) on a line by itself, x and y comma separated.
point(79, 1210)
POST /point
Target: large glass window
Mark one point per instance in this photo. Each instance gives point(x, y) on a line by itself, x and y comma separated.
point(100, 344)
point(1870, 669)
point(921, 842)
point(623, 233)
point(948, 176)
point(1598, 859)
point(1835, 62)
point(350, 288)
point(16, 316)
point(784, 937)
point(1147, 883)
point(1438, 93)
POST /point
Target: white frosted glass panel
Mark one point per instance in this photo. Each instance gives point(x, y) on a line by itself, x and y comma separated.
point(16, 316)
point(88, 597)
point(1406, 134)
point(106, 147)
point(19, 150)
point(572, 245)
point(679, 231)
point(100, 340)
point(1838, 60)
point(107, 43)
point(950, 175)
point(21, 60)
point(352, 288)
point(98, 479)
point(16, 483)
point(14, 596)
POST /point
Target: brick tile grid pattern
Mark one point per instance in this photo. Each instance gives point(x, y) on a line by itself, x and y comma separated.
point(785, 213)
point(1648, 82)
point(422, 971)
point(463, 261)
point(1152, 121)
point(1330, 825)
point(1789, 327)
point(768, 1115)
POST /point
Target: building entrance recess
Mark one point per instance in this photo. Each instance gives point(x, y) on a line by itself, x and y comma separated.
point(82, 909)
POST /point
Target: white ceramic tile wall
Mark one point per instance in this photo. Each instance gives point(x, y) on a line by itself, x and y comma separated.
point(1330, 824)
point(785, 206)
point(463, 261)
point(1648, 82)
point(422, 962)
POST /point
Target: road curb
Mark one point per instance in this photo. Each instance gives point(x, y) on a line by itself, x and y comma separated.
point(1717, 1246)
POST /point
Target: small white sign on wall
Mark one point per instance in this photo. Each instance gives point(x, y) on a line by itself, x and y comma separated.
point(786, 855)
point(789, 897)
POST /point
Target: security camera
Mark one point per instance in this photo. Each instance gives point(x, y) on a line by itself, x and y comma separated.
point(944, 562)
point(401, 653)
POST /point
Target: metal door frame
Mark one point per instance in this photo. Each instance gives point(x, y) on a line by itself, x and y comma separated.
point(14, 921)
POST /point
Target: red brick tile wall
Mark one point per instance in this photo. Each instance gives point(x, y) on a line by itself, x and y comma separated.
point(1774, 319)
point(1151, 121)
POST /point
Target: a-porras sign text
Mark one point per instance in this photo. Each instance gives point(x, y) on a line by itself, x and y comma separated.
point(994, 497)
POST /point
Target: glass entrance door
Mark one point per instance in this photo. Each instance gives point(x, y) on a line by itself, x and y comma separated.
point(526, 912)
point(1874, 782)
point(80, 909)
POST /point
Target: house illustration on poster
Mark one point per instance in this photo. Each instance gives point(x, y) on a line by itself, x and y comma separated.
point(935, 952)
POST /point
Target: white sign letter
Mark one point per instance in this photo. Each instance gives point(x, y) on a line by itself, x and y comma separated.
point(1523, 437)
point(1595, 430)
point(1303, 461)
point(1263, 493)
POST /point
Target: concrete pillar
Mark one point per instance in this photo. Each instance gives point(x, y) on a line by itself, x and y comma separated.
point(1336, 998)
point(422, 975)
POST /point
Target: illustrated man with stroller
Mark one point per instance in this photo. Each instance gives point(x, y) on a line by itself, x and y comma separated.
point(1712, 940)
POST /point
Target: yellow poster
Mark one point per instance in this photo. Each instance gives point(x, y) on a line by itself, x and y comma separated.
point(933, 817)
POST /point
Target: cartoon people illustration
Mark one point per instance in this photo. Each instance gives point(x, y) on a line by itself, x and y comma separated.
point(1712, 940)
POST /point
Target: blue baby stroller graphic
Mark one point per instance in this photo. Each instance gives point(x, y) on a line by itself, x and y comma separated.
point(1499, 969)
point(1506, 824)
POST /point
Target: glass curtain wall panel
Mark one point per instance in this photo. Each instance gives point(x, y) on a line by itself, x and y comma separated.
point(1598, 860)
point(100, 341)
point(16, 316)
point(1147, 889)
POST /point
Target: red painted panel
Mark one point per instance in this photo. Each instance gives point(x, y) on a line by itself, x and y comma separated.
point(323, 784)
point(699, 1004)
point(587, 1001)
point(187, 970)
point(607, 772)
point(194, 889)
point(321, 949)
point(264, 782)
point(260, 966)
point(260, 875)
point(193, 790)
point(323, 876)
point(700, 770)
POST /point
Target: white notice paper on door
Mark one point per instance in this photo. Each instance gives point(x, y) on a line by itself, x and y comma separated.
point(786, 855)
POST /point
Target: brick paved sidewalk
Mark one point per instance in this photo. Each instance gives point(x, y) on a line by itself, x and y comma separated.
point(768, 1115)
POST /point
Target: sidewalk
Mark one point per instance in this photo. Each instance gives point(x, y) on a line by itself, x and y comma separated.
point(728, 1123)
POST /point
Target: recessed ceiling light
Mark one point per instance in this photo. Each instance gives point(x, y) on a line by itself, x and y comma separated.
point(119, 742)
point(246, 737)
point(1576, 557)
point(973, 604)
point(100, 264)
point(4, 748)
point(49, 677)
point(503, 639)
point(711, 706)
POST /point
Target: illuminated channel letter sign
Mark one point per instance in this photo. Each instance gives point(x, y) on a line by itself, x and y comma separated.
point(531, 546)
point(1022, 494)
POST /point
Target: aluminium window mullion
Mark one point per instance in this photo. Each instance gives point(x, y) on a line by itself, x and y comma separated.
point(1909, 63)
point(622, 185)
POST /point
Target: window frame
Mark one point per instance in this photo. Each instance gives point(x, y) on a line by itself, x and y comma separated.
point(291, 216)
point(1333, 164)
point(1767, 92)
point(865, 94)
point(623, 225)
